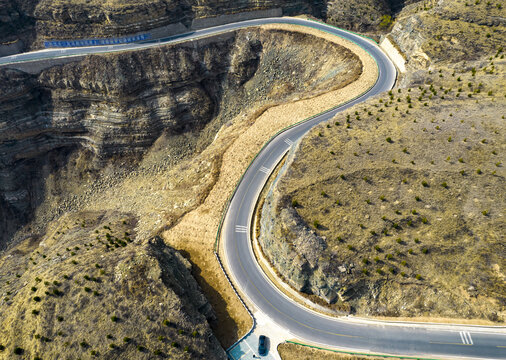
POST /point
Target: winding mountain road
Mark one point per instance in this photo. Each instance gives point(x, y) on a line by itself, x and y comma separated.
point(409, 339)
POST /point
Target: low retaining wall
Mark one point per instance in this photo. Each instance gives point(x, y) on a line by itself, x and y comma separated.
point(394, 54)
point(242, 16)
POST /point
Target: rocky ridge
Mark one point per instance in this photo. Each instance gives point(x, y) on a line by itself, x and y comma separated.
point(94, 289)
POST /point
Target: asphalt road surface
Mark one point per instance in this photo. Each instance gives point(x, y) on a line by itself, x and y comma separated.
point(416, 340)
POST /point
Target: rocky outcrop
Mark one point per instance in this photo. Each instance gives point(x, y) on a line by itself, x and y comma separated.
point(106, 110)
point(30, 22)
point(103, 105)
point(446, 32)
point(293, 248)
point(93, 288)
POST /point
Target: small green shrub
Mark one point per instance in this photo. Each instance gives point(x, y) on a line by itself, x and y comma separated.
point(57, 292)
point(418, 277)
point(425, 250)
point(379, 271)
point(114, 318)
point(112, 345)
point(389, 256)
point(445, 185)
point(18, 351)
point(404, 263)
point(37, 298)
point(59, 318)
point(365, 261)
point(316, 224)
point(425, 183)
point(141, 348)
point(389, 140)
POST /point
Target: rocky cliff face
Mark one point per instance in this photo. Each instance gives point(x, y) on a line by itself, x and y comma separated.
point(27, 21)
point(60, 133)
point(292, 247)
point(104, 106)
point(448, 32)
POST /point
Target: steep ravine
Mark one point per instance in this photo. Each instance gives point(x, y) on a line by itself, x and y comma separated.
point(61, 135)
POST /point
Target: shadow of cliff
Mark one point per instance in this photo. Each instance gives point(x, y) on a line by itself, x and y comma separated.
point(224, 327)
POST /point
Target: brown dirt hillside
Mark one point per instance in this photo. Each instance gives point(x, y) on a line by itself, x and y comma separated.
point(406, 193)
point(92, 288)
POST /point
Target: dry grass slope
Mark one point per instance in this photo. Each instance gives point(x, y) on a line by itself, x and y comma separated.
point(409, 187)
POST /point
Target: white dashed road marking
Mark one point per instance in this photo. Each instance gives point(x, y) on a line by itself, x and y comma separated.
point(465, 336)
point(241, 229)
point(288, 142)
point(265, 170)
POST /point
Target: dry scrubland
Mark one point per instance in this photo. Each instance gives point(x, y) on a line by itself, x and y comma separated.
point(92, 289)
point(407, 190)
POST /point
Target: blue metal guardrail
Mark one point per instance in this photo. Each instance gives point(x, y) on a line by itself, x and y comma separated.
point(95, 42)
